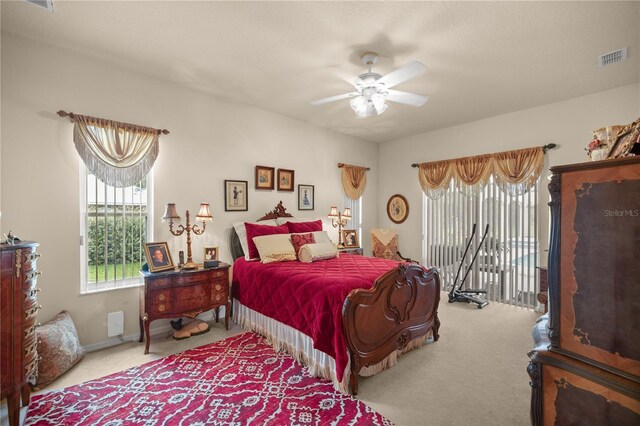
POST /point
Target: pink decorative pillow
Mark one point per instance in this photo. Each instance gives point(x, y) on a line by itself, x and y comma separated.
point(299, 240)
point(254, 230)
point(296, 227)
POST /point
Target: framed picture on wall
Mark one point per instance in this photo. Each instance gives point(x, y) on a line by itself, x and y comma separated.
point(305, 197)
point(397, 208)
point(158, 256)
point(285, 180)
point(265, 177)
point(235, 196)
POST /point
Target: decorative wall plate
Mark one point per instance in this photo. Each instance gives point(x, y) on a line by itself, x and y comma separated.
point(397, 208)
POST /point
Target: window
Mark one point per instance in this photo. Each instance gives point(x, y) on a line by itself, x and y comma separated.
point(356, 215)
point(506, 263)
point(115, 224)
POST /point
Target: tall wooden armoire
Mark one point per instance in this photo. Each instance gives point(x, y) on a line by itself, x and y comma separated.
point(588, 372)
point(18, 311)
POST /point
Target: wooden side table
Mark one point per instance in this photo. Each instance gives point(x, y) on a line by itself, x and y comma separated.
point(351, 250)
point(183, 293)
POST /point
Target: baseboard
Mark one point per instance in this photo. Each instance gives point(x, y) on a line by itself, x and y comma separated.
point(153, 331)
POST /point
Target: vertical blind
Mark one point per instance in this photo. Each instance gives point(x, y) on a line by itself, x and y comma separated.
point(506, 263)
point(356, 215)
point(116, 225)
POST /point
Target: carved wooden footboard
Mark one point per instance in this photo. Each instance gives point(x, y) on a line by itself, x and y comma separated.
point(401, 307)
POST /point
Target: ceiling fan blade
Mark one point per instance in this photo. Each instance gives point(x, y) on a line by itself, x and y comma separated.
point(402, 74)
point(334, 98)
point(406, 98)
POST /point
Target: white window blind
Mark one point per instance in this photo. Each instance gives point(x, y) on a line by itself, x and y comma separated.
point(115, 224)
point(356, 215)
point(506, 263)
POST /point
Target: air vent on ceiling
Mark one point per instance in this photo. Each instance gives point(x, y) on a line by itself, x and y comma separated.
point(45, 4)
point(612, 57)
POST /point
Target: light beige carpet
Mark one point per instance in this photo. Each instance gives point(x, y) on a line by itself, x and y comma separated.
point(474, 375)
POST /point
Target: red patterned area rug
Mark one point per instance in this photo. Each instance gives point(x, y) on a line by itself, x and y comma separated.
point(237, 381)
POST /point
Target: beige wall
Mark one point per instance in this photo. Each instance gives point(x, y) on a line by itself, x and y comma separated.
point(211, 140)
point(568, 124)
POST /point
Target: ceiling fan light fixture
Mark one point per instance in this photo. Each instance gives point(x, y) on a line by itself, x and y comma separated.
point(372, 90)
point(365, 106)
point(378, 101)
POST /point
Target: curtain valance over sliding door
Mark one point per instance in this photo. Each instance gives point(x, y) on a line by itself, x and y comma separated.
point(514, 171)
point(119, 154)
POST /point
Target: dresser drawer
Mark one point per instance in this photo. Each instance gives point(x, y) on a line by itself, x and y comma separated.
point(192, 279)
point(188, 306)
point(158, 283)
point(219, 298)
point(219, 287)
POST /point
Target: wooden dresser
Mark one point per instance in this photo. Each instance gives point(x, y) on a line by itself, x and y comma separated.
point(588, 372)
point(19, 308)
point(183, 293)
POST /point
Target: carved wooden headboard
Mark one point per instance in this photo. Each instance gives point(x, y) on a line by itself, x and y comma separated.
point(234, 240)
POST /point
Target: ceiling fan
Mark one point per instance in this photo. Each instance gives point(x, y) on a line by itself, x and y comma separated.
point(373, 90)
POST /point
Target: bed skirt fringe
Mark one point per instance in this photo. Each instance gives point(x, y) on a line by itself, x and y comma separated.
point(285, 338)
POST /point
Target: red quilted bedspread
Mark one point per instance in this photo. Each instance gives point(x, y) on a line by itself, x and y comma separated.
point(308, 296)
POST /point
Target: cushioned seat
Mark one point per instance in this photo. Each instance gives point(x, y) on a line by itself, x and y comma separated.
point(384, 243)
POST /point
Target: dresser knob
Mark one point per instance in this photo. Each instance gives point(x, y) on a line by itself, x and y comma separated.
point(161, 297)
point(218, 287)
point(218, 274)
point(218, 297)
point(161, 308)
point(34, 256)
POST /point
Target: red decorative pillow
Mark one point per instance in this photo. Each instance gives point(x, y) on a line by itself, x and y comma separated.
point(299, 240)
point(254, 230)
point(298, 227)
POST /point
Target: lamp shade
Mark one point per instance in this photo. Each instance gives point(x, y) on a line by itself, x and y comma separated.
point(333, 212)
point(347, 213)
point(170, 213)
point(204, 214)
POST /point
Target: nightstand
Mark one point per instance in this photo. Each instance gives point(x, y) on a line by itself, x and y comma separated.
point(183, 293)
point(351, 250)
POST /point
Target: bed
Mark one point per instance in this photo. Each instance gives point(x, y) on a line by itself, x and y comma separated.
point(343, 317)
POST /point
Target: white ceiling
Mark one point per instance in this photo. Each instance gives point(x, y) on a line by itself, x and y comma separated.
point(483, 58)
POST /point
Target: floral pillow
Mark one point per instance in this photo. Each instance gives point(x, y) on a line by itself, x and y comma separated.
point(299, 240)
point(58, 348)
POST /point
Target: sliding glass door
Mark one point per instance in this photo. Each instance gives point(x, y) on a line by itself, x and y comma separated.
point(505, 265)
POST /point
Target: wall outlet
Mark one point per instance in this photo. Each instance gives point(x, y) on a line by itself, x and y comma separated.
point(115, 323)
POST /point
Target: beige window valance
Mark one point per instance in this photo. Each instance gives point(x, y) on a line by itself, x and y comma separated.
point(354, 180)
point(119, 154)
point(514, 171)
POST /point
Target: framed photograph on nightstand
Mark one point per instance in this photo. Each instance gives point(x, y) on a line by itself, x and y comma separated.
point(350, 238)
point(305, 197)
point(158, 256)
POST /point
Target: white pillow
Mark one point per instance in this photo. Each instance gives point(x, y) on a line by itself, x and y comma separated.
point(275, 248)
point(319, 251)
point(242, 234)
